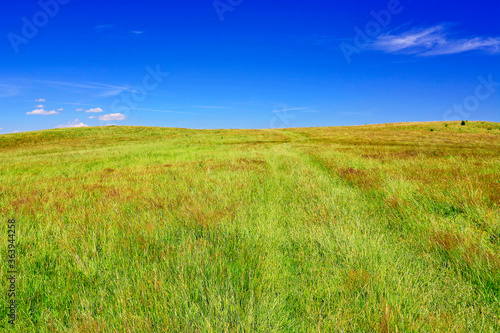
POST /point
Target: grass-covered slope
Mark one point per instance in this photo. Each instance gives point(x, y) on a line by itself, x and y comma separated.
point(373, 228)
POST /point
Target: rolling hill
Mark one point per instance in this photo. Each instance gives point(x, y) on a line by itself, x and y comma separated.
point(387, 228)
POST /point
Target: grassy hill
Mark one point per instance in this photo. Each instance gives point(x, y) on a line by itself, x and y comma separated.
point(381, 228)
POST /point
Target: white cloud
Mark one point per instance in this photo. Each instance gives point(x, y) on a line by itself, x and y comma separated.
point(42, 112)
point(40, 106)
point(73, 124)
point(40, 100)
point(91, 117)
point(94, 110)
point(60, 109)
point(112, 116)
point(79, 110)
point(433, 41)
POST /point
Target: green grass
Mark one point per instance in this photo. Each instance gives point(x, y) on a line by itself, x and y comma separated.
point(380, 228)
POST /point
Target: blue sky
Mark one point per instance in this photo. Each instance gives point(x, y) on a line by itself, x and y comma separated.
point(246, 64)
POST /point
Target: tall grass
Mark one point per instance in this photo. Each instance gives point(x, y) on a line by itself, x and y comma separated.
point(385, 228)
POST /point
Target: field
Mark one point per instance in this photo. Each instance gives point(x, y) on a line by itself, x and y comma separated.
point(377, 228)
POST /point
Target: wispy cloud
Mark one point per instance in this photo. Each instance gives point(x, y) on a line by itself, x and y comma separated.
point(66, 84)
point(110, 90)
point(318, 39)
point(110, 31)
point(112, 116)
point(211, 107)
point(104, 26)
point(42, 112)
point(110, 93)
point(8, 90)
point(291, 109)
point(433, 41)
point(71, 124)
point(40, 100)
point(165, 111)
point(356, 113)
point(100, 89)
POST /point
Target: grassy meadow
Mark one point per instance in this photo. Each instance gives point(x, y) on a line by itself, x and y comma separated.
point(377, 228)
